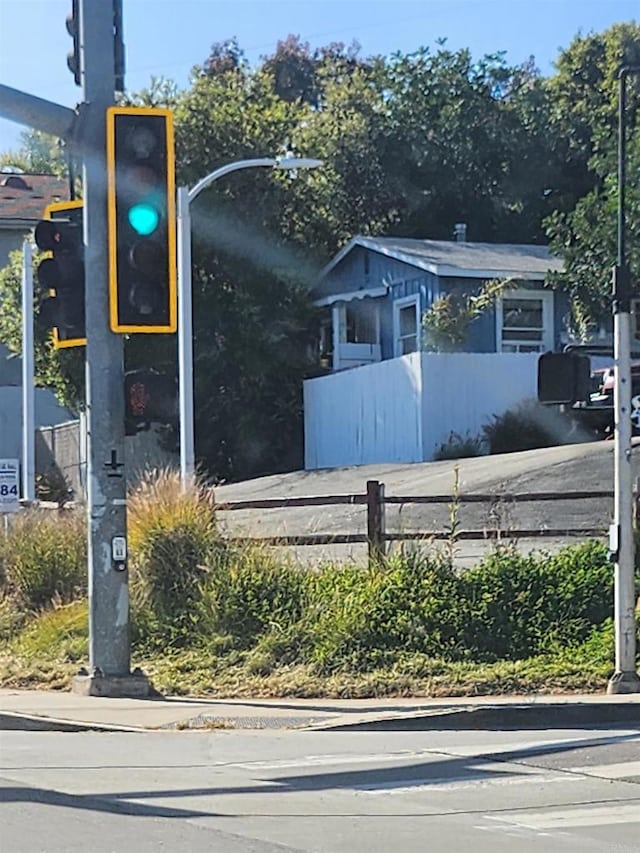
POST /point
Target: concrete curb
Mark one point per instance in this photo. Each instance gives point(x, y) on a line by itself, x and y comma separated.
point(539, 716)
point(16, 721)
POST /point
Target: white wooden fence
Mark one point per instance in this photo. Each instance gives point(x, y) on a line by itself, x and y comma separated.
point(403, 409)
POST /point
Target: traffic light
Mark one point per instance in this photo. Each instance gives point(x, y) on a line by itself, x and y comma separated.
point(149, 397)
point(142, 221)
point(73, 28)
point(563, 377)
point(61, 274)
point(73, 57)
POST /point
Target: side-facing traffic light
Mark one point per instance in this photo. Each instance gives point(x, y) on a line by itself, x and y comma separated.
point(73, 28)
point(563, 377)
point(142, 221)
point(61, 275)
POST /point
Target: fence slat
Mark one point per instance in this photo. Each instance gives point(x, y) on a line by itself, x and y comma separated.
point(524, 497)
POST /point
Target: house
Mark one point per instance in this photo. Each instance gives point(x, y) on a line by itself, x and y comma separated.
point(376, 289)
point(386, 399)
point(23, 198)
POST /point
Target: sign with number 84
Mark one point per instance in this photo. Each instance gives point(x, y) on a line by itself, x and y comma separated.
point(9, 485)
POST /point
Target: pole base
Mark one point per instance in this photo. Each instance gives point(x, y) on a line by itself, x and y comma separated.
point(135, 685)
point(624, 682)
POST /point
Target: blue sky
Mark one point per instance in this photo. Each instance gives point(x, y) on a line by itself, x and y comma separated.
point(168, 37)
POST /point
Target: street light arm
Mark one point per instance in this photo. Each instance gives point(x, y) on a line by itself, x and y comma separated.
point(224, 170)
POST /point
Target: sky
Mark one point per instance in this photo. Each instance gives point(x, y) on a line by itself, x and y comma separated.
point(168, 37)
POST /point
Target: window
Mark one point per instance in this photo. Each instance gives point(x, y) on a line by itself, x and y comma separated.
point(525, 321)
point(406, 325)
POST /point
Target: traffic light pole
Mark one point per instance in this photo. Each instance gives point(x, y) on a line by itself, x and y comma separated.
point(625, 678)
point(109, 644)
point(28, 390)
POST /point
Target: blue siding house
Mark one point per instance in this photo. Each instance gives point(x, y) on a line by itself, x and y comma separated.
point(376, 289)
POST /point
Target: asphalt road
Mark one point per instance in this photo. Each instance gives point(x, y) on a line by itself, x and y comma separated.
point(572, 791)
point(580, 467)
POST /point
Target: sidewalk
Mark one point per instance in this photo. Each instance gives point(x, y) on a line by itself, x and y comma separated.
point(62, 711)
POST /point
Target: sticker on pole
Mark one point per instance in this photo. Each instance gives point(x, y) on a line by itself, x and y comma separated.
point(9, 485)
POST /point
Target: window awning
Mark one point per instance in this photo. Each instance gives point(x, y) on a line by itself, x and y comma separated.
point(371, 292)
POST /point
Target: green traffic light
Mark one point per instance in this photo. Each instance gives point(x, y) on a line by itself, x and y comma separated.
point(143, 218)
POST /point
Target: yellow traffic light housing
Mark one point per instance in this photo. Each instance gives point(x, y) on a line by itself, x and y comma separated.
point(142, 220)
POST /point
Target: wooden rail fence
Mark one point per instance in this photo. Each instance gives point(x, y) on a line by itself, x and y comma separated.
point(377, 536)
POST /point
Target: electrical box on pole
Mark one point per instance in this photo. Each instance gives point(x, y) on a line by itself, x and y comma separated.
point(142, 220)
point(61, 275)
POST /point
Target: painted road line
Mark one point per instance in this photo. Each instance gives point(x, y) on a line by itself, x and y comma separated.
point(609, 771)
point(587, 815)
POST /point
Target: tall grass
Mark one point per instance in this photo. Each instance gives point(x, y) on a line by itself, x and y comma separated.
point(44, 556)
point(171, 534)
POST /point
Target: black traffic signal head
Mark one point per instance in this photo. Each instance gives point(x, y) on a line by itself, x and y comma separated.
point(61, 275)
point(564, 377)
point(73, 28)
point(142, 223)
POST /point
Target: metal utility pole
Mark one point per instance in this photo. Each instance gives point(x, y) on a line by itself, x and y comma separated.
point(109, 644)
point(28, 390)
point(625, 679)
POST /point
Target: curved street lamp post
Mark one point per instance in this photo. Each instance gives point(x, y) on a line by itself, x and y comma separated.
point(185, 295)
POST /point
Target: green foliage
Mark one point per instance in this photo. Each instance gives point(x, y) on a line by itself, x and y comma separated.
point(250, 593)
point(520, 606)
point(460, 447)
point(43, 557)
point(446, 322)
point(585, 128)
point(356, 619)
point(527, 426)
point(62, 633)
point(38, 153)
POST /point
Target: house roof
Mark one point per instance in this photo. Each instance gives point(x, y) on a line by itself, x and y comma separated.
point(459, 259)
point(23, 197)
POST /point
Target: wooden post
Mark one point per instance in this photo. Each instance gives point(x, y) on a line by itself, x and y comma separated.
point(375, 522)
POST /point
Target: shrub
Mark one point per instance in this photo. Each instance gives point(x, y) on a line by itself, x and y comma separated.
point(250, 592)
point(45, 556)
point(355, 616)
point(528, 426)
point(460, 447)
point(516, 606)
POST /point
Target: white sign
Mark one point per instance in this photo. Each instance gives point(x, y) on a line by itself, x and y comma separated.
point(9, 485)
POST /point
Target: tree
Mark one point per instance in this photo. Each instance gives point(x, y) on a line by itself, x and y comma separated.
point(586, 87)
point(39, 153)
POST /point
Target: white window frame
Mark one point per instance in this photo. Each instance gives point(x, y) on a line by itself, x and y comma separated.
point(546, 297)
point(398, 305)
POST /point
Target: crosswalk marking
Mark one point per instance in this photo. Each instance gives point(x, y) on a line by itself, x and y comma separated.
point(417, 786)
point(587, 815)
